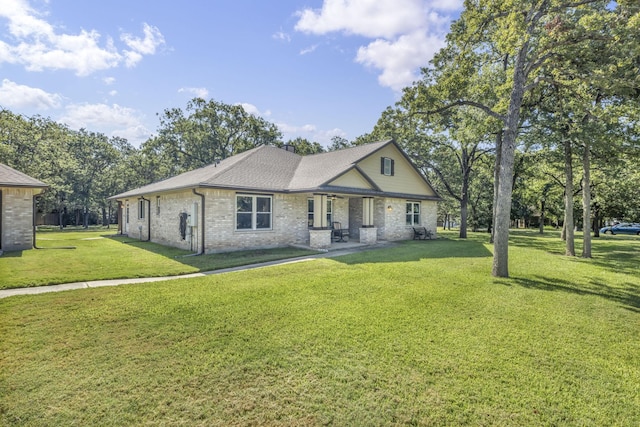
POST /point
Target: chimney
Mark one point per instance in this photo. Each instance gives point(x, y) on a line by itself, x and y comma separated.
point(289, 148)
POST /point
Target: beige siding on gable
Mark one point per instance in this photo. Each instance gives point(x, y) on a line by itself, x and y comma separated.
point(405, 179)
point(352, 179)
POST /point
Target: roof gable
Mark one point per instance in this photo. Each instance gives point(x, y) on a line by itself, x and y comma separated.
point(353, 179)
point(405, 179)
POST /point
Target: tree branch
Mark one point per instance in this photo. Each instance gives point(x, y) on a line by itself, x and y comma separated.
point(460, 103)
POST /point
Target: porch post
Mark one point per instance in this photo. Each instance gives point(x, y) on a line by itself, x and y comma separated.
point(367, 211)
point(368, 232)
point(320, 235)
point(320, 211)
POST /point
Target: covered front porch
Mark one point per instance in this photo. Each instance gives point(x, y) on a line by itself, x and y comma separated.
point(351, 221)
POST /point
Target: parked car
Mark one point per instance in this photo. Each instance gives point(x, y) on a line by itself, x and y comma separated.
point(622, 228)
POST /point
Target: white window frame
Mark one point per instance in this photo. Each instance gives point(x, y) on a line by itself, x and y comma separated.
point(157, 205)
point(411, 213)
point(254, 213)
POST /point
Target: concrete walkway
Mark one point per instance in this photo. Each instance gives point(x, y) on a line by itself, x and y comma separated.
point(334, 252)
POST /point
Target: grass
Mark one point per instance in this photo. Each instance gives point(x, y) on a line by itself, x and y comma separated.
point(72, 256)
point(418, 334)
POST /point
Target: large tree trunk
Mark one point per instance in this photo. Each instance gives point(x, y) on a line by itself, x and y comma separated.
point(500, 266)
point(586, 202)
point(496, 180)
point(570, 249)
point(464, 205)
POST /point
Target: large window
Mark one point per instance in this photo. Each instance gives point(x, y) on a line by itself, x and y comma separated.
point(413, 213)
point(253, 212)
point(310, 211)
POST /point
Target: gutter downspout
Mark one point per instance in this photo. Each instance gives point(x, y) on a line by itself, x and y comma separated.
point(201, 250)
point(148, 218)
point(33, 220)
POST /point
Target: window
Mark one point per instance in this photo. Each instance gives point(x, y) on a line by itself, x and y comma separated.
point(141, 209)
point(413, 213)
point(127, 213)
point(157, 205)
point(310, 211)
point(386, 166)
point(253, 212)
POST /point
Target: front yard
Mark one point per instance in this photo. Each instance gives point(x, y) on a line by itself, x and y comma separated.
point(418, 334)
point(73, 256)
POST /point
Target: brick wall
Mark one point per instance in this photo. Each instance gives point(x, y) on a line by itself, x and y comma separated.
point(17, 218)
point(289, 220)
point(391, 223)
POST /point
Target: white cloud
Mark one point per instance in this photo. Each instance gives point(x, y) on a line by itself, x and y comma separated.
point(282, 36)
point(199, 92)
point(14, 95)
point(38, 45)
point(109, 80)
point(112, 120)
point(400, 59)
point(405, 33)
point(369, 18)
point(309, 49)
point(153, 38)
point(113, 92)
point(252, 109)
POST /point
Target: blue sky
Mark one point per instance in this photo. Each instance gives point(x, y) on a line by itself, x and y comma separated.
point(316, 68)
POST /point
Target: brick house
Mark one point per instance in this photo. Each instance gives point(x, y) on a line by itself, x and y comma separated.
point(17, 192)
point(272, 197)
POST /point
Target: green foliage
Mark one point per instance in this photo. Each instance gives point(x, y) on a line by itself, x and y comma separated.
point(208, 131)
point(414, 335)
point(303, 146)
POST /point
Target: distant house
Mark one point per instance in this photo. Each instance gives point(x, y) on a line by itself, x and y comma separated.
point(271, 197)
point(16, 208)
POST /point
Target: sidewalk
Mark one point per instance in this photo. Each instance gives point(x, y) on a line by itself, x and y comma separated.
point(4, 293)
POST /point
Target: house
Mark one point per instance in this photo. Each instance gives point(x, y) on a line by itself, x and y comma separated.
point(270, 197)
point(17, 192)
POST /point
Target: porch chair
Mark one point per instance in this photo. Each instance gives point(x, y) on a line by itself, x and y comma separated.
point(338, 233)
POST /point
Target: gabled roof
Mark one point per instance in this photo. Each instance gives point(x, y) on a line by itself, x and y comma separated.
point(10, 177)
point(272, 169)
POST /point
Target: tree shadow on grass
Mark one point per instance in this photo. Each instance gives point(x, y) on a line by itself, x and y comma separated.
point(626, 294)
point(416, 250)
point(214, 261)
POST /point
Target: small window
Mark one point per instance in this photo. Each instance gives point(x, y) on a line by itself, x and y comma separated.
point(157, 205)
point(387, 166)
point(253, 212)
point(141, 209)
point(127, 215)
point(413, 213)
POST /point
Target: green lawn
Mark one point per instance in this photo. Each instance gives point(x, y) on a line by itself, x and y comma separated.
point(72, 256)
point(418, 334)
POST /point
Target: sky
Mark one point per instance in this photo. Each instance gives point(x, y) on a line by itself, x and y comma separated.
point(315, 68)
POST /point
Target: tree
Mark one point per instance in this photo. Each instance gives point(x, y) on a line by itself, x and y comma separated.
point(303, 146)
point(515, 37)
point(206, 133)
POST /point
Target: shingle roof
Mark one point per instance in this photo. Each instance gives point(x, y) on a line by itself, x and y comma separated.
point(10, 177)
point(266, 168)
